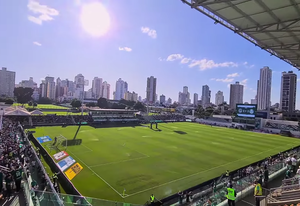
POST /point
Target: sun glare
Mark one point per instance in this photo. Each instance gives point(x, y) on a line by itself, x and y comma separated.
point(95, 19)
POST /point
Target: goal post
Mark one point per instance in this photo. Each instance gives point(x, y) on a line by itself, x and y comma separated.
point(62, 143)
point(59, 144)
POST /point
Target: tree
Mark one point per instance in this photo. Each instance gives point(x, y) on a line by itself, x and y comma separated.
point(30, 104)
point(45, 100)
point(34, 104)
point(9, 101)
point(102, 103)
point(23, 95)
point(90, 104)
point(76, 103)
point(139, 106)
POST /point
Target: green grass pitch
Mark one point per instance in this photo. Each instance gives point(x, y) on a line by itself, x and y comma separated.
point(144, 161)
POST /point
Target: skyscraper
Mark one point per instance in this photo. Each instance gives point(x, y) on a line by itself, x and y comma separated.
point(205, 98)
point(28, 83)
point(50, 87)
point(219, 98)
point(288, 91)
point(162, 99)
point(184, 97)
point(97, 87)
point(79, 87)
point(7, 82)
point(151, 90)
point(236, 94)
point(121, 89)
point(264, 89)
point(105, 90)
point(59, 89)
point(195, 99)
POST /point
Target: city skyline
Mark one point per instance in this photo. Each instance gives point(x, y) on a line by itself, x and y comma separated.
point(135, 48)
point(45, 88)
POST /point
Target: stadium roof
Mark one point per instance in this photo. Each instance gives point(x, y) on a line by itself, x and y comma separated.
point(273, 25)
point(112, 110)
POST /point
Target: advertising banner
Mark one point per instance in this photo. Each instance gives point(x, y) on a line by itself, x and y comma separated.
point(73, 171)
point(65, 163)
point(60, 155)
point(44, 139)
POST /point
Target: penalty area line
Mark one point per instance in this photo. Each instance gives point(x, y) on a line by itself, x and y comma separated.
point(185, 177)
point(98, 176)
point(87, 147)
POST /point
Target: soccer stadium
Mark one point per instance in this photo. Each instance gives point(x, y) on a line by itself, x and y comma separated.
point(116, 156)
point(56, 155)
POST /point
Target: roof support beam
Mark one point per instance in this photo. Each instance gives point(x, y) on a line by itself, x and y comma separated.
point(284, 46)
point(264, 31)
point(278, 26)
point(196, 3)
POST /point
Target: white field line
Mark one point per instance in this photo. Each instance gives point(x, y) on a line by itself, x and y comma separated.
point(182, 178)
point(99, 176)
point(111, 163)
point(137, 151)
point(79, 153)
point(87, 147)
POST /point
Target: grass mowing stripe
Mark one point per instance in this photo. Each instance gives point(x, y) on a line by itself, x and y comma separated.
point(182, 178)
point(98, 175)
point(110, 163)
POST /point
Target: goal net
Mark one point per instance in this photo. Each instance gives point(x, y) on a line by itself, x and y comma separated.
point(59, 144)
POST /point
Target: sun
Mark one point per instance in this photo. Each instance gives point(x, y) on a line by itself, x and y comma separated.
point(95, 19)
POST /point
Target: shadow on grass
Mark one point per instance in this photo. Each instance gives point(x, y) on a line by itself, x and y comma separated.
point(180, 132)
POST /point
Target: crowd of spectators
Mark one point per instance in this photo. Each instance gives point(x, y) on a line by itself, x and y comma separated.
point(51, 119)
point(13, 156)
point(82, 118)
point(18, 162)
point(288, 127)
point(165, 117)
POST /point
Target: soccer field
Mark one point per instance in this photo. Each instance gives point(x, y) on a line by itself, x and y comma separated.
point(144, 161)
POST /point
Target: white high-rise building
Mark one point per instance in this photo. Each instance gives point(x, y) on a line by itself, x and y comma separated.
point(205, 98)
point(105, 90)
point(264, 89)
point(219, 98)
point(7, 82)
point(79, 87)
point(184, 97)
point(131, 96)
point(151, 90)
point(288, 91)
point(196, 99)
point(50, 87)
point(43, 89)
point(97, 88)
point(121, 89)
point(236, 94)
point(28, 83)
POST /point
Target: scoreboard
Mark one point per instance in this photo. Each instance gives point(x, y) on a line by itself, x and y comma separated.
point(246, 110)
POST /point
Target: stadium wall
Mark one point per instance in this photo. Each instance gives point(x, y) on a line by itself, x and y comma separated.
point(67, 185)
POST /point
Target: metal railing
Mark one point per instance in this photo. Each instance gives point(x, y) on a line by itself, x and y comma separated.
point(29, 192)
point(218, 193)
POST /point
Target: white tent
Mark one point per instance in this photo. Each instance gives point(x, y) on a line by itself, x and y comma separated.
point(36, 112)
point(16, 111)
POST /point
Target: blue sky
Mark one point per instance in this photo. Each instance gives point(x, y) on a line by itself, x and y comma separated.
point(166, 39)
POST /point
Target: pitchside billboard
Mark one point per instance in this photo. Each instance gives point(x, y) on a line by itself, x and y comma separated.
point(246, 110)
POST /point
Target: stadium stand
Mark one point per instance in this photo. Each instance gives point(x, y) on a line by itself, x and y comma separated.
point(23, 174)
point(165, 118)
